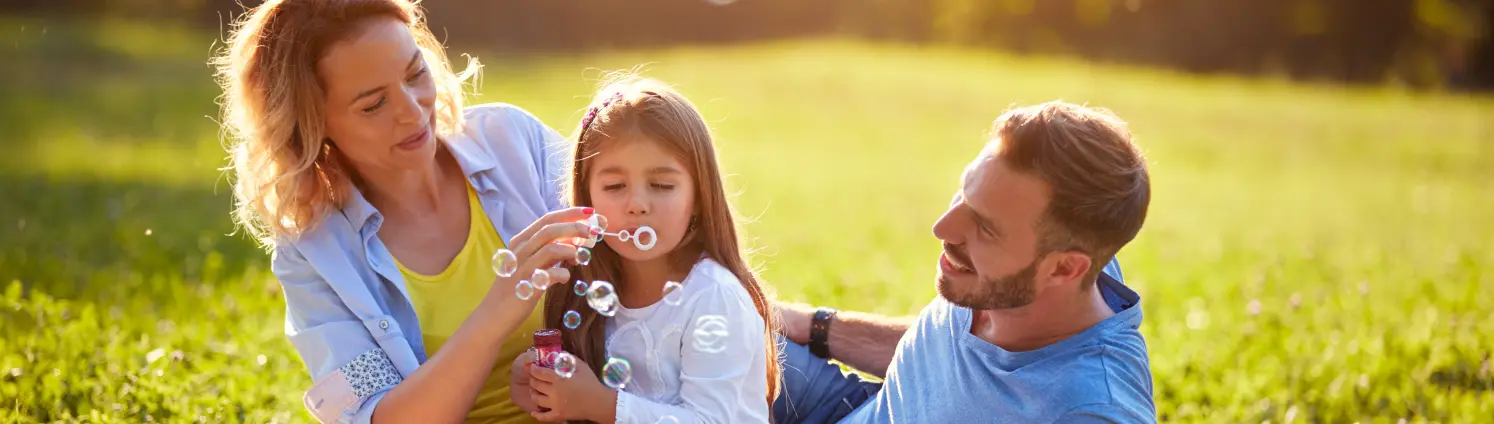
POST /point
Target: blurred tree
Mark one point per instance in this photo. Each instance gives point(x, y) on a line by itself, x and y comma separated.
point(1423, 43)
point(1478, 71)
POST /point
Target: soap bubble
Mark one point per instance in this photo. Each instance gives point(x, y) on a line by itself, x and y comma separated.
point(580, 288)
point(565, 365)
point(583, 256)
point(524, 290)
point(674, 293)
point(710, 334)
point(668, 419)
point(572, 319)
point(595, 222)
point(540, 279)
point(721, 2)
point(608, 308)
point(617, 373)
point(600, 289)
point(602, 297)
point(505, 263)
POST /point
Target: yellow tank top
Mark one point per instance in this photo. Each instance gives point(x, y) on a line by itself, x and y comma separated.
point(443, 301)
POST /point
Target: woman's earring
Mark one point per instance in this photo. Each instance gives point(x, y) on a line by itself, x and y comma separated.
point(691, 227)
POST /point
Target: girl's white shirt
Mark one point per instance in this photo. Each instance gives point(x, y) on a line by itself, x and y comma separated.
point(701, 361)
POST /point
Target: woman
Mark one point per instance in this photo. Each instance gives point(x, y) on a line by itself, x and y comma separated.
point(382, 199)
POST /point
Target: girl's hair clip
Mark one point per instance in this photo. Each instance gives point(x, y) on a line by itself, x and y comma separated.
point(591, 114)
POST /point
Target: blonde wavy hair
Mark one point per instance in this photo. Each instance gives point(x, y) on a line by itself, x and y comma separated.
point(285, 176)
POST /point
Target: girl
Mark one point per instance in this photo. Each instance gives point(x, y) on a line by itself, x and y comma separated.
point(696, 351)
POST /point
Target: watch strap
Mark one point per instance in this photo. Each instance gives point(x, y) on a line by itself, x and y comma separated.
point(819, 332)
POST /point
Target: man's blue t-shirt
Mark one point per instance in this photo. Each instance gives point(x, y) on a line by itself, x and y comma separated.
point(943, 374)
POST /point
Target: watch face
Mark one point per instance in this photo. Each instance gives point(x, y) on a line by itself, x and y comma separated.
point(822, 317)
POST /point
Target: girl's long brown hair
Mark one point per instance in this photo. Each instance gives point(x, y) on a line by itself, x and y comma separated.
point(651, 109)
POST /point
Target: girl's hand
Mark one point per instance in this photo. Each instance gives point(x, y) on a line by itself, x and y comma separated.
point(580, 397)
point(518, 382)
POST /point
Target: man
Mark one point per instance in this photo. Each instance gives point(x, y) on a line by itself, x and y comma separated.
point(1032, 322)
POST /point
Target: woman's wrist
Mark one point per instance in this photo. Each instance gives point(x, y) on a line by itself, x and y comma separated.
point(502, 314)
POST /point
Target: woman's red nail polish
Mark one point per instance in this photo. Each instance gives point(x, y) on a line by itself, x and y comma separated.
point(588, 211)
point(595, 230)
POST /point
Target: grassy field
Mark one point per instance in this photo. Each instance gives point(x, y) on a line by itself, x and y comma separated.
point(1313, 254)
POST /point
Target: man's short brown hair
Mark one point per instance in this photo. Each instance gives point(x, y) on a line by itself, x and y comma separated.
point(1095, 173)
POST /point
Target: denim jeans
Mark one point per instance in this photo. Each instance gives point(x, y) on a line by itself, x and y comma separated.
point(816, 391)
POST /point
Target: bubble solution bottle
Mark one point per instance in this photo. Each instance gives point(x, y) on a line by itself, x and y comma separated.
point(546, 347)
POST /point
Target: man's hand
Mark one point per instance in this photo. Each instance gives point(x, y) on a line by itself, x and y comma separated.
point(864, 341)
point(793, 321)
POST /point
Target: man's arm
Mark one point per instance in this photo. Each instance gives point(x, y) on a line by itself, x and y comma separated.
point(864, 341)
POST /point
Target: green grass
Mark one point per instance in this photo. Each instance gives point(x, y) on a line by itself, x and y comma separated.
point(1313, 253)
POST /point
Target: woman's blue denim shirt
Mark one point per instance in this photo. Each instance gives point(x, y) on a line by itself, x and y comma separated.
point(348, 313)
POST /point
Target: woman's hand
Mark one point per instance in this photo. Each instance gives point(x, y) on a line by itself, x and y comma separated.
point(518, 382)
point(580, 397)
point(548, 243)
point(443, 388)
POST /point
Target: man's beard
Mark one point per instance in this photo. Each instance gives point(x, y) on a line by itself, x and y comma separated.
point(1011, 291)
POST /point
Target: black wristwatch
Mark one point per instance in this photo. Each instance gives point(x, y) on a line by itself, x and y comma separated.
point(819, 332)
